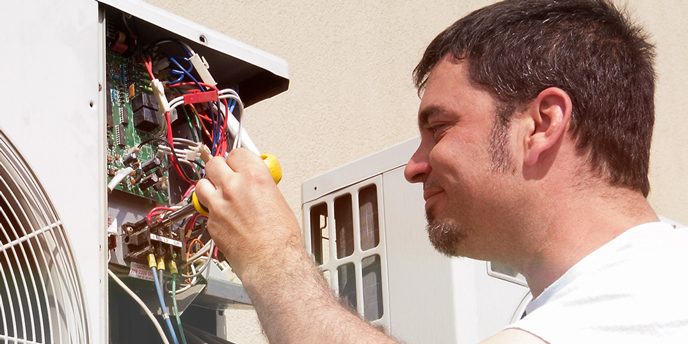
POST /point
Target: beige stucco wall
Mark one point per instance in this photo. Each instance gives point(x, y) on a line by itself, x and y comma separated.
point(351, 92)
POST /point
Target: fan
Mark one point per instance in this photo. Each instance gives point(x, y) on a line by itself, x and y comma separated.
point(41, 300)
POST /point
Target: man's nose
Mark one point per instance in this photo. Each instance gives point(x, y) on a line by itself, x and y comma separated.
point(418, 166)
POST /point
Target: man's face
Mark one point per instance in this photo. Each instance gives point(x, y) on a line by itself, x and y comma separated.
point(465, 163)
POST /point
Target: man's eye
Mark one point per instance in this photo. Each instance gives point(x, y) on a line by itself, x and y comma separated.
point(437, 129)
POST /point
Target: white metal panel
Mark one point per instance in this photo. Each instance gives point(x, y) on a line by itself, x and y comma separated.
point(51, 112)
point(420, 279)
point(356, 171)
point(193, 31)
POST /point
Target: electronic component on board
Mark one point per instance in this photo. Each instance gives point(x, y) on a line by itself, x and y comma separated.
point(130, 159)
point(148, 181)
point(121, 139)
point(146, 119)
point(123, 116)
point(151, 164)
point(144, 100)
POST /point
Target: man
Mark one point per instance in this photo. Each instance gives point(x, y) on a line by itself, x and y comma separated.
point(536, 120)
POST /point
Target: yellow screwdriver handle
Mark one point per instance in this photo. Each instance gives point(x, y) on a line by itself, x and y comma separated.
point(269, 159)
point(200, 208)
point(274, 166)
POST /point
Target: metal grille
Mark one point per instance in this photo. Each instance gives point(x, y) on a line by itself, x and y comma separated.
point(41, 300)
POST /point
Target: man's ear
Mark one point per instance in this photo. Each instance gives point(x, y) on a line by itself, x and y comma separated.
point(547, 116)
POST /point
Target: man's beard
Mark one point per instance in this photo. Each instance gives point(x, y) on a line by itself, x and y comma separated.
point(444, 235)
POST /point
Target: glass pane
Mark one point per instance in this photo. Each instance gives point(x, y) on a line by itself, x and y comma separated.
point(372, 288)
point(343, 218)
point(370, 227)
point(347, 285)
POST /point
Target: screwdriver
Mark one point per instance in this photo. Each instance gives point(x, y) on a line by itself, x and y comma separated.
point(197, 207)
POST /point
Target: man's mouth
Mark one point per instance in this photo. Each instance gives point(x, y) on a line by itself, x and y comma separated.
point(427, 194)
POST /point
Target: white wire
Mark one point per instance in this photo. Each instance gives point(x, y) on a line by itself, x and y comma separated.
point(235, 126)
point(184, 141)
point(202, 269)
point(140, 302)
point(118, 178)
point(208, 246)
point(201, 252)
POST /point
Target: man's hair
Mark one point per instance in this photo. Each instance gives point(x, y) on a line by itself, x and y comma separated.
point(516, 49)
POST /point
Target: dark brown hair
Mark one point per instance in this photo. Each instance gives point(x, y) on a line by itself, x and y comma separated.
point(517, 48)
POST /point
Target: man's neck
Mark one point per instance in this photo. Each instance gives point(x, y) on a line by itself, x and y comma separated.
point(581, 224)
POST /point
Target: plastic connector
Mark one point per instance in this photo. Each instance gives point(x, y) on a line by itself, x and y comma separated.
point(201, 97)
point(201, 66)
point(151, 260)
point(134, 149)
point(192, 155)
point(205, 153)
point(173, 267)
point(159, 91)
point(161, 264)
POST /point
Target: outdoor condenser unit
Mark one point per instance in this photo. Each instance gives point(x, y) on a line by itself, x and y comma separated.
point(364, 227)
point(82, 116)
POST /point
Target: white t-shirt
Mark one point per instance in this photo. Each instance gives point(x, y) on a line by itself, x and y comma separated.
point(634, 289)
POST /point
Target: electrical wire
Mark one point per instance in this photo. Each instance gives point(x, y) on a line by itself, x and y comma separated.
point(119, 176)
point(140, 302)
point(210, 244)
point(184, 46)
point(176, 310)
point(165, 315)
point(201, 270)
point(175, 161)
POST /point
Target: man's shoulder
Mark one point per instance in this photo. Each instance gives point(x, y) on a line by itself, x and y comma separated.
point(514, 336)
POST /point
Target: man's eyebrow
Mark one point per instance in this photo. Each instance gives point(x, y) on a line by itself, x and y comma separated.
point(424, 116)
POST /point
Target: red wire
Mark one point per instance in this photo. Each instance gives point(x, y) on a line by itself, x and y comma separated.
point(192, 84)
point(149, 66)
point(169, 138)
point(157, 210)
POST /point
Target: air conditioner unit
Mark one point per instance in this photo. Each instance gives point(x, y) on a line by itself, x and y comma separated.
point(72, 69)
point(364, 227)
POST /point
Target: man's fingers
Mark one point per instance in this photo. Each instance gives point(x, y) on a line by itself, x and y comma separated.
point(216, 169)
point(204, 188)
point(243, 159)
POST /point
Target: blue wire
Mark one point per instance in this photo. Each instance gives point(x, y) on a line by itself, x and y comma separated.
point(162, 304)
point(187, 72)
point(182, 72)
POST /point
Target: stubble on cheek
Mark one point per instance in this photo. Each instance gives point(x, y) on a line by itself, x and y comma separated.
point(445, 235)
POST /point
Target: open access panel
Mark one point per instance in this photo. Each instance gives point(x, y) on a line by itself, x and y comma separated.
point(174, 95)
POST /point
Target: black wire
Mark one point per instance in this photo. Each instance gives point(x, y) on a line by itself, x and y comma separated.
point(174, 154)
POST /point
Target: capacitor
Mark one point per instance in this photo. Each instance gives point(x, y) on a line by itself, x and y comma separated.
point(150, 164)
point(130, 159)
point(148, 181)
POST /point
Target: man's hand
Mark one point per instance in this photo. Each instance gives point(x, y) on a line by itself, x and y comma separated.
point(259, 235)
point(249, 219)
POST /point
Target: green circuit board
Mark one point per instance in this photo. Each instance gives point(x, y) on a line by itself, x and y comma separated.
point(127, 79)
